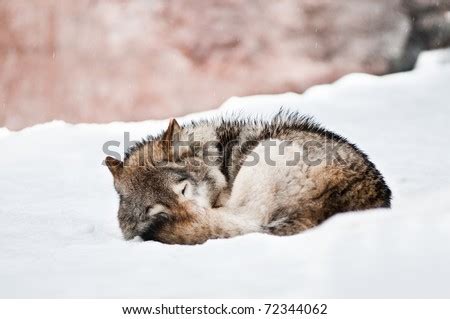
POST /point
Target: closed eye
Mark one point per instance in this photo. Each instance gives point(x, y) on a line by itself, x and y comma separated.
point(183, 192)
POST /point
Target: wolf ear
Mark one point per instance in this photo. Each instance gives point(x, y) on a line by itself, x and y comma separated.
point(173, 130)
point(115, 166)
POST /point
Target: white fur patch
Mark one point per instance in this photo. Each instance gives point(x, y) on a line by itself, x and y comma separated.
point(199, 195)
point(157, 209)
point(202, 196)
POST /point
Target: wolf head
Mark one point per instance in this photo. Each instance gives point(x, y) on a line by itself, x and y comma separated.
point(161, 192)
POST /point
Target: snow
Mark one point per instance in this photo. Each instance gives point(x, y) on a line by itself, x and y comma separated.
point(434, 58)
point(3, 131)
point(59, 235)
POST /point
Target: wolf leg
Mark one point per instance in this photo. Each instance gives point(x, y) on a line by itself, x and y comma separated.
point(287, 220)
point(287, 227)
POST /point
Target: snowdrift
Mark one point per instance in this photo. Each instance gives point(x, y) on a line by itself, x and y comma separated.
point(59, 235)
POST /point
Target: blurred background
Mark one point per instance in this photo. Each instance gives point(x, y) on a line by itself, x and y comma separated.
point(127, 60)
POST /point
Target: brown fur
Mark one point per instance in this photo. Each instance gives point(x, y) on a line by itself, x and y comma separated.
point(229, 198)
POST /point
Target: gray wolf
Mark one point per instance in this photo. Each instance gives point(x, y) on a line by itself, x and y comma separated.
point(222, 178)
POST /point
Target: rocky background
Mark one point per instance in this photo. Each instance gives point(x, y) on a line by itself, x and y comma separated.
point(100, 61)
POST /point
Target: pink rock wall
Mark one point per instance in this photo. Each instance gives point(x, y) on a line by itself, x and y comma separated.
point(106, 60)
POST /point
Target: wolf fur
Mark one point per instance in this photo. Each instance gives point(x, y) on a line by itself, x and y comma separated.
point(171, 190)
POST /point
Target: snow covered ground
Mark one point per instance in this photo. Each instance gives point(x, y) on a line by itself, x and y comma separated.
point(59, 235)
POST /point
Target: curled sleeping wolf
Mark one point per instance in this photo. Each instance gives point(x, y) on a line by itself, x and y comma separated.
point(221, 178)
